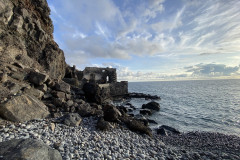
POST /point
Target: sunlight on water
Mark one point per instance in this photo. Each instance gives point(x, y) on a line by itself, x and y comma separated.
point(210, 105)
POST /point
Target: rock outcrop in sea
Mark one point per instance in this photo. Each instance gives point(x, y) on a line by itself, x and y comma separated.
point(49, 110)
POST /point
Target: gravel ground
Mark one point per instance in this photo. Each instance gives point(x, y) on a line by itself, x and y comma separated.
point(85, 142)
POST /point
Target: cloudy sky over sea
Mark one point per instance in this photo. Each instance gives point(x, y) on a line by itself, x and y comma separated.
point(151, 39)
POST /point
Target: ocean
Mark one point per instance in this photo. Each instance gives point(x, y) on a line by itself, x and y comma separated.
point(199, 105)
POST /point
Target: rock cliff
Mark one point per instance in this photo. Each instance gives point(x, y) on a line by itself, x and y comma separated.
point(30, 59)
point(26, 37)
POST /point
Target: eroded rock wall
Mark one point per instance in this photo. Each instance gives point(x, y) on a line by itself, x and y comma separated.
point(26, 36)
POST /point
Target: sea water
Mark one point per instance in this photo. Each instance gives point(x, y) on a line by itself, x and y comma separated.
point(199, 105)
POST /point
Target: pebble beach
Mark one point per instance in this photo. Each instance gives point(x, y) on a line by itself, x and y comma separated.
point(86, 142)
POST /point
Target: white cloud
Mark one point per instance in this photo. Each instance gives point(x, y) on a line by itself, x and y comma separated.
point(88, 30)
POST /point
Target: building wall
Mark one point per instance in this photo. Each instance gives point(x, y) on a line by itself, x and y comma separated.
point(118, 88)
point(100, 75)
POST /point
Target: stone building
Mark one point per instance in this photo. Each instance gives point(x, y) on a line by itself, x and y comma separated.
point(100, 75)
point(106, 78)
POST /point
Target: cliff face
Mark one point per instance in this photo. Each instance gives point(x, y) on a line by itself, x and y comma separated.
point(26, 37)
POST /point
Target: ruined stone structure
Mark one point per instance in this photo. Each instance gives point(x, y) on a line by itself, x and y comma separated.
point(100, 75)
point(106, 78)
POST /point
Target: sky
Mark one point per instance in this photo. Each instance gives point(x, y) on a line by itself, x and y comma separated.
point(151, 40)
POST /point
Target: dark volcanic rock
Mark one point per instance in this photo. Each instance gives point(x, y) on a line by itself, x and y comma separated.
point(152, 121)
point(85, 110)
point(27, 149)
point(72, 119)
point(138, 126)
point(111, 113)
point(103, 125)
point(162, 132)
point(142, 95)
point(151, 105)
point(92, 92)
point(165, 130)
point(145, 112)
point(95, 94)
point(122, 109)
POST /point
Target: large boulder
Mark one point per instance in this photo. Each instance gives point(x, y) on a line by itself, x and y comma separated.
point(111, 113)
point(151, 105)
point(72, 119)
point(63, 86)
point(34, 92)
point(27, 149)
point(103, 125)
point(166, 130)
point(96, 94)
point(23, 108)
point(37, 78)
point(92, 92)
point(85, 110)
point(145, 112)
point(138, 126)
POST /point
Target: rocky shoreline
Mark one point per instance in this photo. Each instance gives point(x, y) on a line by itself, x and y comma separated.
point(50, 110)
point(88, 142)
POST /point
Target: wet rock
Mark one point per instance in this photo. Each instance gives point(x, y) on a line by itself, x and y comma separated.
point(145, 112)
point(103, 125)
point(62, 86)
point(122, 109)
point(165, 130)
point(138, 126)
point(72, 119)
point(162, 132)
point(23, 108)
point(27, 149)
point(152, 121)
point(37, 78)
point(142, 95)
point(111, 113)
point(151, 105)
